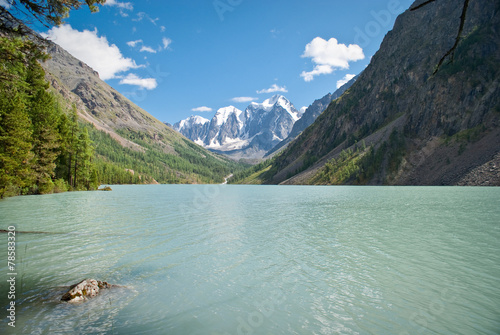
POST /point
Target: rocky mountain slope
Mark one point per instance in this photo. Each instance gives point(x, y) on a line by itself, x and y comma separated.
point(407, 121)
point(311, 114)
point(107, 110)
point(243, 134)
point(97, 102)
point(126, 137)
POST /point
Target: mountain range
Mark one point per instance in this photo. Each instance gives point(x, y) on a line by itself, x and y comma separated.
point(248, 134)
point(261, 130)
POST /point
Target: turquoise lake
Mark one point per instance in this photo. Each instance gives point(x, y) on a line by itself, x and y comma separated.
point(224, 259)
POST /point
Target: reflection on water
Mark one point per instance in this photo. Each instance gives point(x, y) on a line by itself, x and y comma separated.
point(258, 260)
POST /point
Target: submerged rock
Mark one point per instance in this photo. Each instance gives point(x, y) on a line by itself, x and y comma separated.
point(84, 290)
point(106, 188)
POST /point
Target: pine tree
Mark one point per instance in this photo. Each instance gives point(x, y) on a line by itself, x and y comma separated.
point(44, 115)
point(15, 145)
point(15, 125)
point(49, 12)
point(84, 151)
point(46, 139)
point(68, 131)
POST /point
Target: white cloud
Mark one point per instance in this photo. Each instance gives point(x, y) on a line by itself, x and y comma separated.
point(202, 109)
point(330, 55)
point(133, 44)
point(132, 79)
point(5, 4)
point(166, 42)
point(303, 109)
point(96, 51)
point(144, 48)
point(147, 49)
point(345, 80)
point(318, 69)
point(163, 29)
point(243, 99)
point(274, 88)
point(141, 16)
point(122, 5)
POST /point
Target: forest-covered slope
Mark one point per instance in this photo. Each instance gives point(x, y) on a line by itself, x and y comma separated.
point(129, 145)
point(124, 133)
point(406, 120)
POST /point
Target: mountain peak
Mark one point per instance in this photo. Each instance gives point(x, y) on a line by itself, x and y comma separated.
point(277, 100)
point(225, 112)
point(196, 119)
point(190, 122)
point(199, 119)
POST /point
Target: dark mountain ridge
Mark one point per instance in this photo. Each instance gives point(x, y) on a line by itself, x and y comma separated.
point(310, 115)
point(403, 122)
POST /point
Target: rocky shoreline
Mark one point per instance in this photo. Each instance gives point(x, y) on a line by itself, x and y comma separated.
point(487, 174)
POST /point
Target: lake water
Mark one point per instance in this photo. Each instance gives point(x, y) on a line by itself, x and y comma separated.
point(226, 259)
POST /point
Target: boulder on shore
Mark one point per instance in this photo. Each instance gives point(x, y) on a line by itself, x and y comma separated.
point(84, 290)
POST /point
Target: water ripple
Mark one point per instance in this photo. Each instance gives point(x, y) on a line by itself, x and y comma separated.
point(229, 259)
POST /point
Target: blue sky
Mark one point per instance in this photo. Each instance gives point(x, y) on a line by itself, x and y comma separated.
point(179, 58)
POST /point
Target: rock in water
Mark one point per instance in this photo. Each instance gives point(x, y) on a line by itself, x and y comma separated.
point(107, 188)
point(84, 290)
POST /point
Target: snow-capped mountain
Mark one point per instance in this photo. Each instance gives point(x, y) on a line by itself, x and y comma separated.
point(194, 127)
point(311, 113)
point(243, 134)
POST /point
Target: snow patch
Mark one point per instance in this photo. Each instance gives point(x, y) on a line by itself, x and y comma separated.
point(224, 113)
point(190, 121)
point(229, 144)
